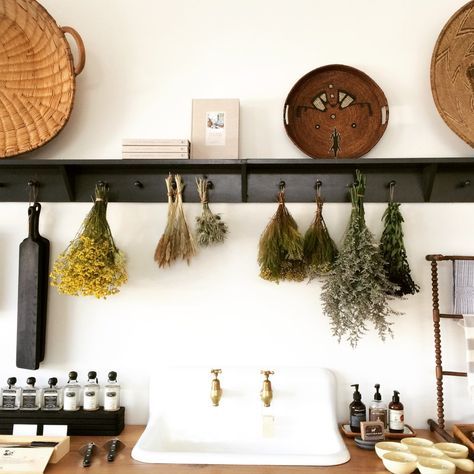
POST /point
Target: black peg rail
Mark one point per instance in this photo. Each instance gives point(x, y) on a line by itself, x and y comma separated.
point(80, 423)
point(413, 179)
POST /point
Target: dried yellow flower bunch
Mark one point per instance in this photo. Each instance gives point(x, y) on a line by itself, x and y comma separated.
point(91, 265)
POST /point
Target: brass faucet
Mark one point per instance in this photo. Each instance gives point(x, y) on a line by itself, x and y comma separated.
point(266, 394)
point(216, 391)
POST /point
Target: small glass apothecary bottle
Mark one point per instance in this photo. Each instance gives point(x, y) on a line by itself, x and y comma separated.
point(91, 392)
point(52, 396)
point(72, 392)
point(112, 393)
point(10, 395)
point(30, 395)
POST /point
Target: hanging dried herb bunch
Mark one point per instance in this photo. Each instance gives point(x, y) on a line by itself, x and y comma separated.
point(280, 253)
point(164, 252)
point(91, 265)
point(210, 229)
point(393, 250)
point(319, 249)
point(355, 292)
point(176, 241)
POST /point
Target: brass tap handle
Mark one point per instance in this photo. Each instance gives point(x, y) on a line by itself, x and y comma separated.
point(267, 373)
point(216, 372)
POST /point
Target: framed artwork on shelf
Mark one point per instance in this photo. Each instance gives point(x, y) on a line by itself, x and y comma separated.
point(215, 129)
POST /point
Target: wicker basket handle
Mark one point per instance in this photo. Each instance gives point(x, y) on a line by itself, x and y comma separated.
point(80, 47)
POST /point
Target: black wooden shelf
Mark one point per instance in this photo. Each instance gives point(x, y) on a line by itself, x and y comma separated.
point(417, 179)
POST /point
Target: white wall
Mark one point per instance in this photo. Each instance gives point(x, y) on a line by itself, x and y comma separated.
point(146, 60)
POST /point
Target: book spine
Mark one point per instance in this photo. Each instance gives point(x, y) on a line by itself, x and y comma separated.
point(155, 141)
point(155, 156)
point(155, 148)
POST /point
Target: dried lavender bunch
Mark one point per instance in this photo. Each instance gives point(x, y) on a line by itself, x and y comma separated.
point(164, 253)
point(393, 251)
point(280, 253)
point(319, 249)
point(355, 292)
point(210, 229)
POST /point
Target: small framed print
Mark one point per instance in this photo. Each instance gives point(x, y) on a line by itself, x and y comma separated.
point(215, 129)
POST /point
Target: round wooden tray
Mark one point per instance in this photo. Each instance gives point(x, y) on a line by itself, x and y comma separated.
point(335, 111)
point(37, 76)
point(452, 73)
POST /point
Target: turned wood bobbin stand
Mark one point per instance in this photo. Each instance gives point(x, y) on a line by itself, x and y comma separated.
point(439, 426)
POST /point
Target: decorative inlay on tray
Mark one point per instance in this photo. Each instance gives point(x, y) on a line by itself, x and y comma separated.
point(452, 73)
point(37, 76)
point(335, 111)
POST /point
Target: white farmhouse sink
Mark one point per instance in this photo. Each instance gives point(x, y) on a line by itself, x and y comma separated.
point(185, 428)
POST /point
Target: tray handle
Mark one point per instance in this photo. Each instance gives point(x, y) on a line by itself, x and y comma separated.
point(80, 47)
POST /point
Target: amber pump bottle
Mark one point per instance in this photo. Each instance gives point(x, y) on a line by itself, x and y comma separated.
point(396, 414)
point(357, 411)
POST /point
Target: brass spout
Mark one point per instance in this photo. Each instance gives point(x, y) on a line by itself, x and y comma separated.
point(266, 394)
point(216, 391)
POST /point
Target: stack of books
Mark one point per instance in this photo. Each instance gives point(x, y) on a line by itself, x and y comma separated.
point(155, 148)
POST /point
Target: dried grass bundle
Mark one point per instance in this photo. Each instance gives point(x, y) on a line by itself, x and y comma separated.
point(210, 229)
point(280, 253)
point(319, 249)
point(176, 241)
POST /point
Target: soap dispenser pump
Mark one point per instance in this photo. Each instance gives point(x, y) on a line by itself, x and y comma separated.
point(216, 390)
point(378, 409)
point(357, 411)
point(396, 414)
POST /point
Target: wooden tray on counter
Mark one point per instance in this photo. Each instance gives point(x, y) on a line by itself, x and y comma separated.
point(463, 433)
point(408, 432)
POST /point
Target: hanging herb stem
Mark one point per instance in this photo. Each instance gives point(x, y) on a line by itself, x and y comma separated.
point(185, 247)
point(164, 253)
point(355, 292)
point(280, 254)
point(210, 229)
point(319, 249)
point(393, 251)
point(91, 265)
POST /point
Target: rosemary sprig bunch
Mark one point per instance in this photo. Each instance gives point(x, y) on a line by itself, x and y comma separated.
point(355, 292)
point(319, 249)
point(393, 251)
point(176, 241)
point(91, 265)
point(280, 253)
point(210, 229)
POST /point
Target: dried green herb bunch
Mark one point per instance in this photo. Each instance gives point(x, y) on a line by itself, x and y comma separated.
point(280, 253)
point(319, 249)
point(91, 265)
point(210, 229)
point(393, 251)
point(355, 292)
point(177, 240)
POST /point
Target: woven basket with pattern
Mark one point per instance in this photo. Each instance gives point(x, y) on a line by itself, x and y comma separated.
point(37, 76)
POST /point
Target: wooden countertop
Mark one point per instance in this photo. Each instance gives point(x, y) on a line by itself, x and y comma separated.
point(361, 461)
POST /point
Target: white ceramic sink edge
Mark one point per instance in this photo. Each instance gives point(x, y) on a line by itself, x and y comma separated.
point(185, 429)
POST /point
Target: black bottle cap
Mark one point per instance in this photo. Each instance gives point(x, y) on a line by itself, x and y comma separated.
point(396, 397)
point(377, 395)
point(92, 375)
point(11, 381)
point(52, 382)
point(72, 376)
point(356, 395)
point(31, 381)
point(112, 376)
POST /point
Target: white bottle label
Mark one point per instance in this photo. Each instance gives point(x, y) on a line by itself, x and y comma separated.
point(90, 399)
point(396, 420)
point(111, 399)
point(70, 400)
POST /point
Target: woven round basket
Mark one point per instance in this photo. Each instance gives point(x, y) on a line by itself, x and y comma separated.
point(452, 73)
point(37, 76)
